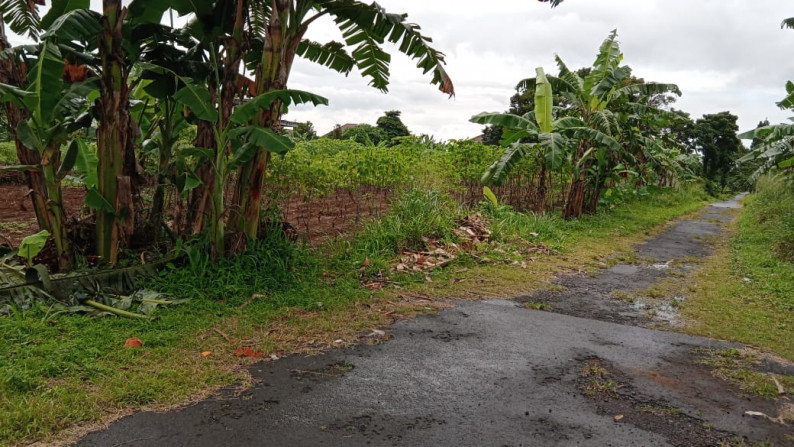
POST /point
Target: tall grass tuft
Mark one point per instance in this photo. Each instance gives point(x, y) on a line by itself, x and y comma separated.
point(415, 214)
point(773, 210)
point(8, 153)
point(270, 264)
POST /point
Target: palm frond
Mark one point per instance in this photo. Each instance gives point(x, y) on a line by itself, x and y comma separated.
point(788, 23)
point(366, 27)
point(331, 55)
point(22, 16)
point(499, 170)
point(610, 81)
point(555, 148)
point(559, 85)
point(647, 89)
point(788, 101)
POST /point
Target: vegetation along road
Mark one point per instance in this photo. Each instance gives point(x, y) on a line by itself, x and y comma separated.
point(185, 261)
point(576, 365)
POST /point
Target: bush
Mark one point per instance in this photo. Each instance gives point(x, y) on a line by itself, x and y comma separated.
point(416, 214)
point(8, 153)
point(773, 208)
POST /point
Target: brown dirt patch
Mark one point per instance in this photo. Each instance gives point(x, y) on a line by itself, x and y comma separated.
point(17, 218)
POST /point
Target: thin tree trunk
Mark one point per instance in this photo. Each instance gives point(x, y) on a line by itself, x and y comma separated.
point(575, 203)
point(114, 139)
point(200, 197)
point(11, 74)
point(272, 74)
point(540, 206)
point(55, 209)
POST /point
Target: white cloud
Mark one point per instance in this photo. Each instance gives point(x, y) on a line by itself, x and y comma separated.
point(724, 54)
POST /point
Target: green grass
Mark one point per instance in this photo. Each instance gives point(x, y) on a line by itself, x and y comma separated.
point(8, 153)
point(60, 370)
point(738, 367)
point(745, 292)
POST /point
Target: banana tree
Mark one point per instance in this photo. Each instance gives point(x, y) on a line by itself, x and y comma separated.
point(590, 98)
point(55, 110)
point(283, 25)
point(534, 134)
point(237, 139)
point(115, 142)
point(22, 17)
point(775, 146)
point(268, 36)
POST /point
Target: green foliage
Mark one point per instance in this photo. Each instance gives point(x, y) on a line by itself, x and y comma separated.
point(716, 137)
point(393, 127)
point(60, 370)
point(304, 132)
point(771, 149)
point(8, 153)
point(745, 293)
point(365, 134)
point(270, 264)
point(772, 210)
point(31, 245)
point(416, 214)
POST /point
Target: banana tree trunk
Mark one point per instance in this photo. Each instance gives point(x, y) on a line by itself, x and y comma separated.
point(540, 206)
point(163, 171)
point(11, 74)
point(200, 197)
point(272, 74)
point(592, 205)
point(574, 205)
point(114, 138)
point(56, 212)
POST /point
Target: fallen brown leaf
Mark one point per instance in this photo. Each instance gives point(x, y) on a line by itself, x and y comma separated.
point(133, 343)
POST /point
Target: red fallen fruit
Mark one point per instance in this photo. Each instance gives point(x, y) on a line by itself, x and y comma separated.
point(246, 351)
point(133, 343)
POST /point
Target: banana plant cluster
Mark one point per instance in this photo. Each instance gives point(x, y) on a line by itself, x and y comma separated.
point(604, 131)
point(775, 143)
point(120, 76)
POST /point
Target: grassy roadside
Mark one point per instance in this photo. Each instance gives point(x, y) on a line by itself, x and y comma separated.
point(64, 372)
point(745, 292)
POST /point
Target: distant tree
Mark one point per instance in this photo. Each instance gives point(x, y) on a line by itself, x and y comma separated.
point(716, 138)
point(492, 135)
point(756, 140)
point(304, 131)
point(743, 176)
point(366, 134)
point(335, 134)
point(392, 125)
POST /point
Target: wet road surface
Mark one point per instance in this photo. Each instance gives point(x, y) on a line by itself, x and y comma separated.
point(491, 373)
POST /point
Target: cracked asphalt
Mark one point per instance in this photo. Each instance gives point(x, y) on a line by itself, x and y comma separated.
point(491, 373)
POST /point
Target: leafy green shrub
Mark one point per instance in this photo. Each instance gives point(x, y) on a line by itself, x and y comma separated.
point(8, 153)
point(773, 208)
point(268, 265)
point(416, 214)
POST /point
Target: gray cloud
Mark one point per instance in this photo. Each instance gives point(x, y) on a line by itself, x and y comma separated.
point(724, 54)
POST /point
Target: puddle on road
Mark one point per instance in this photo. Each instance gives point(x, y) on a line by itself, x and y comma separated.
point(663, 312)
point(504, 303)
point(625, 269)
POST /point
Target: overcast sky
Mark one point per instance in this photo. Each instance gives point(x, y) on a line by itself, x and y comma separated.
point(723, 54)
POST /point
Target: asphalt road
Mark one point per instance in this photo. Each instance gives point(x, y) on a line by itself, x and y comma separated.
point(488, 373)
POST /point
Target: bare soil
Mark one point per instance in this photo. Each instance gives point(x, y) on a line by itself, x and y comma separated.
point(315, 219)
point(17, 218)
